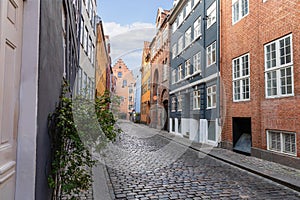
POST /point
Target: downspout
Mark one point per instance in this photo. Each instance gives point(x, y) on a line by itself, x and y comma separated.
point(218, 65)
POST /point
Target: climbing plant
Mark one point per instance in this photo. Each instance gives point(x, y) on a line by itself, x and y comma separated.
point(77, 128)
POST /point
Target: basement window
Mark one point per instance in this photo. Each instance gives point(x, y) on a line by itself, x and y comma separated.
point(282, 142)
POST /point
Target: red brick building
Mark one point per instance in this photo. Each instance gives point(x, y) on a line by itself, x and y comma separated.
point(260, 70)
point(160, 63)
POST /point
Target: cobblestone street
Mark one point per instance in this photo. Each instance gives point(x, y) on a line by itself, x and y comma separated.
point(145, 165)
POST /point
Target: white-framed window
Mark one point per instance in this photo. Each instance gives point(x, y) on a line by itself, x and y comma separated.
point(165, 72)
point(197, 28)
point(81, 31)
point(240, 8)
point(179, 105)
point(174, 50)
point(281, 141)
point(279, 81)
point(174, 76)
point(90, 52)
point(180, 72)
point(211, 15)
point(180, 18)
point(85, 38)
point(188, 37)
point(241, 78)
point(188, 7)
point(197, 63)
point(211, 97)
point(180, 44)
point(187, 67)
point(211, 54)
point(79, 80)
point(196, 100)
point(173, 104)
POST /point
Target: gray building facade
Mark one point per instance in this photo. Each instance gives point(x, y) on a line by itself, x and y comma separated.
point(194, 73)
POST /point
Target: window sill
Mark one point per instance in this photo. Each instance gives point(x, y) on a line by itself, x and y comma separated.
point(210, 108)
point(241, 101)
point(283, 153)
point(280, 96)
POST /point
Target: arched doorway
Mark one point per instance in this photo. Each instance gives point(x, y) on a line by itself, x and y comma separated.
point(165, 104)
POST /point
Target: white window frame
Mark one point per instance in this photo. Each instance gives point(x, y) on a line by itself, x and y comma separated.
point(211, 97)
point(188, 37)
point(197, 28)
point(173, 104)
point(273, 68)
point(180, 44)
point(188, 8)
point(197, 63)
point(196, 100)
point(165, 35)
point(281, 137)
point(179, 102)
point(180, 73)
point(174, 76)
point(187, 68)
point(165, 72)
point(238, 10)
point(82, 31)
point(241, 78)
point(174, 50)
point(211, 15)
point(211, 54)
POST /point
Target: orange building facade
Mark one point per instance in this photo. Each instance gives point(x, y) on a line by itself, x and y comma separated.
point(145, 89)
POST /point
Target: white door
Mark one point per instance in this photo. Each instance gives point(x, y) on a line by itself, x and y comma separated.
point(11, 12)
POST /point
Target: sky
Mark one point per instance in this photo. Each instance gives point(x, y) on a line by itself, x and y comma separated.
point(129, 23)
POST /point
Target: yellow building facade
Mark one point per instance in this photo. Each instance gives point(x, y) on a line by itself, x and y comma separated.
point(146, 77)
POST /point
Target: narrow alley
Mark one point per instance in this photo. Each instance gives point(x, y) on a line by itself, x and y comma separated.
point(136, 171)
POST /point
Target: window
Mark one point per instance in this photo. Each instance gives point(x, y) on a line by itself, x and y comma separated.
point(279, 68)
point(197, 63)
point(179, 99)
point(180, 73)
point(85, 38)
point(211, 15)
point(165, 72)
point(211, 54)
point(124, 83)
point(241, 78)
point(187, 67)
point(180, 44)
point(197, 28)
point(90, 52)
point(119, 74)
point(174, 76)
point(283, 142)
point(79, 80)
point(188, 8)
point(82, 31)
point(174, 50)
point(173, 104)
point(240, 8)
point(211, 97)
point(196, 100)
point(188, 37)
point(180, 18)
point(130, 98)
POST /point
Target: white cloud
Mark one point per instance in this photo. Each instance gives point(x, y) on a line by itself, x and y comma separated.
point(127, 41)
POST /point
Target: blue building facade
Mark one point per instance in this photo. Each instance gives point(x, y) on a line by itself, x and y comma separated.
point(194, 74)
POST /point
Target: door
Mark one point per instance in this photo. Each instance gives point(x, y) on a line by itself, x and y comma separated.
point(11, 12)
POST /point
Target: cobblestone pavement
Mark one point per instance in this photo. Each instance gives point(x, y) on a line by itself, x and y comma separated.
point(144, 165)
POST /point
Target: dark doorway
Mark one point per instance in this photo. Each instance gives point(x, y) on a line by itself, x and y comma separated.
point(241, 130)
point(166, 118)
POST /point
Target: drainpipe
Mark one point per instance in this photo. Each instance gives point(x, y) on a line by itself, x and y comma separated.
point(218, 64)
point(204, 57)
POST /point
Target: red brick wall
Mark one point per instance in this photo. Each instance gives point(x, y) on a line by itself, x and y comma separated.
point(264, 23)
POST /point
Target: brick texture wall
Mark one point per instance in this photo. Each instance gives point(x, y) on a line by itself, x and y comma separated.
point(265, 22)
